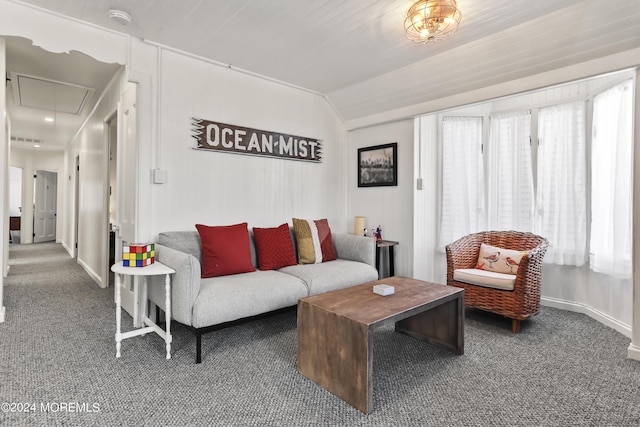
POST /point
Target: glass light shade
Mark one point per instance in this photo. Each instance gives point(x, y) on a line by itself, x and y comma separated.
point(432, 20)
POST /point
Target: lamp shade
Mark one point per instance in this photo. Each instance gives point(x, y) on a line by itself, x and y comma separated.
point(359, 225)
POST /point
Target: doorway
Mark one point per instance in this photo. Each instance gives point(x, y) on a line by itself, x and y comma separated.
point(15, 204)
point(112, 126)
point(45, 205)
point(76, 206)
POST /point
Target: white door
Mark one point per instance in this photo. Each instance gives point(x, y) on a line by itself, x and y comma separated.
point(126, 194)
point(45, 206)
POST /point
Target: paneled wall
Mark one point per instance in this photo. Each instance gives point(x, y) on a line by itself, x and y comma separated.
point(92, 146)
point(390, 207)
point(222, 188)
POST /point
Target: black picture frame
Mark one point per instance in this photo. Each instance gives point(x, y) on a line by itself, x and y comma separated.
point(378, 165)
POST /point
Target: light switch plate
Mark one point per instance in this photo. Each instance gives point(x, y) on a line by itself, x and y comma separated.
point(158, 176)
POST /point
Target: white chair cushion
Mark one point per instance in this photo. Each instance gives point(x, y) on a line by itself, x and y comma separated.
point(488, 279)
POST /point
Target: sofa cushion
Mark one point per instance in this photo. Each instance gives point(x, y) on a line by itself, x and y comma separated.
point(332, 275)
point(227, 298)
point(314, 241)
point(183, 241)
point(488, 279)
point(499, 260)
point(225, 250)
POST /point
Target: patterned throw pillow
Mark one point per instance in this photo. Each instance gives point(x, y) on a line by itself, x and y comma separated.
point(274, 247)
point(314, 241)
point(499, 260)
point(225, 250)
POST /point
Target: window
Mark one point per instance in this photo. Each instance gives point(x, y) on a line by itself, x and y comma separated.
point(612, 175)
point(561, 211)
point(463, 178)
point(581, 203)
point(510, 176)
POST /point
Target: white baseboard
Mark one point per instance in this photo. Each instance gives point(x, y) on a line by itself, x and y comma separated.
point(91, 273)
point(66, 248)
point(633, 352)
point(2, 314)
point(605, 319)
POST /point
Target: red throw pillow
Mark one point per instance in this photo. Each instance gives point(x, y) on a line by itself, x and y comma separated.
point(225, 250)
point(274, 247)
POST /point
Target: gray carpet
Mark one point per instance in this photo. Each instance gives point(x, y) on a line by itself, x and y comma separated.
point(57, 354)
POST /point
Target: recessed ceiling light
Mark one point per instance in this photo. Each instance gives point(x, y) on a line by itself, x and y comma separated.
point(48, 119)
point(36, 145)
point(120, 17)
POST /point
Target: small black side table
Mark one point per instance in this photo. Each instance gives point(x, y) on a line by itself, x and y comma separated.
point(388, 244)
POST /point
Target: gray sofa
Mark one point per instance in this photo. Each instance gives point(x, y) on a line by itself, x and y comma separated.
point(213, 303)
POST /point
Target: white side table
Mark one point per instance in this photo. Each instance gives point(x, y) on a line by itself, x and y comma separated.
point(154, 269)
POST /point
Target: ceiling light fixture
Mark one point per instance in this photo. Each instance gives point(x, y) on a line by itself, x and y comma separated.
point(49, 119)
point(120, 17)
point(432, 20)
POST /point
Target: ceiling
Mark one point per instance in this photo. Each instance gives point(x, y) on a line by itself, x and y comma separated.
point(355, 51)
point(60, 87)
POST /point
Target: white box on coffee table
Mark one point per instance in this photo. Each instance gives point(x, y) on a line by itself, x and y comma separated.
point(383, 289)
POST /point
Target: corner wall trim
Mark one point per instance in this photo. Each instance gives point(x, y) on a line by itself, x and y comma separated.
point(605, 319)
point(66, 248)
point(633, 352)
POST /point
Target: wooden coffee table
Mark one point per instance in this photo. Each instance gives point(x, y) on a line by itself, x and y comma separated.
point(335, 331)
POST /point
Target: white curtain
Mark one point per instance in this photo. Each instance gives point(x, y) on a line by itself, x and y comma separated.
point(462, 179)
point(612, 175)
point(510, 175)
point(561, 214)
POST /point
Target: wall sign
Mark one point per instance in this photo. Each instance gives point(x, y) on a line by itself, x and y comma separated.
point(218, 136)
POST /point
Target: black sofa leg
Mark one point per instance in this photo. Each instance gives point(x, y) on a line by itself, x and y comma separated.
point(198, 347)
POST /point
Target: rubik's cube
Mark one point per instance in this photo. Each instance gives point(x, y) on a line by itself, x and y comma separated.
point(138, 254)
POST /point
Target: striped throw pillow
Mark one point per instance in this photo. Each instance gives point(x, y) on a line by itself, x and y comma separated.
point(314, 241)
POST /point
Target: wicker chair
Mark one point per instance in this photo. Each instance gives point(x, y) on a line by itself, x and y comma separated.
point(518, 304)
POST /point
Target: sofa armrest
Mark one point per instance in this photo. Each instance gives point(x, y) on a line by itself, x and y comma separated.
point(355, 248)
point(185, 283)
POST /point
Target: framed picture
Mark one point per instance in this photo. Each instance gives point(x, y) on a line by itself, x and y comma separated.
point(378, 165)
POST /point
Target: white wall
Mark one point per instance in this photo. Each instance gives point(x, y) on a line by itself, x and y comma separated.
point(221, 188)
point(427, 201)
point(390, 207)
point(633, 351)
point(92, 146)
point(4, 171)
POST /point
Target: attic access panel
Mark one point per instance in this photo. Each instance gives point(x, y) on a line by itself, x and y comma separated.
point(45, 94)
